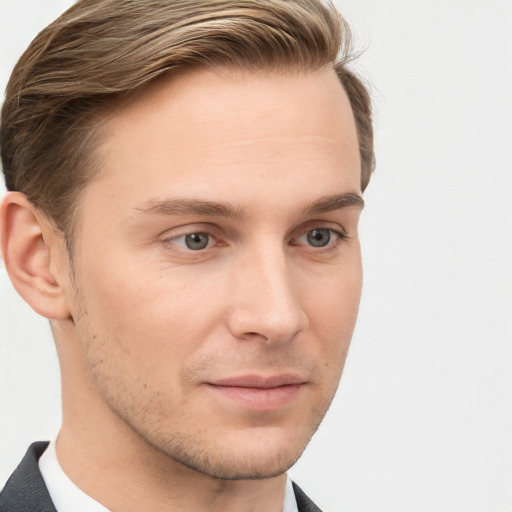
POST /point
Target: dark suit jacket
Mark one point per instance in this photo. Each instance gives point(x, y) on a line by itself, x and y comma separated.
point(25, 491)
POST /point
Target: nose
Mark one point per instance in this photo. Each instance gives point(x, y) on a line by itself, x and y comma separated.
point(266, 305)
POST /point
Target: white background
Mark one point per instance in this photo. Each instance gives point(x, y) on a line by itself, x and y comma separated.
point(423, 420)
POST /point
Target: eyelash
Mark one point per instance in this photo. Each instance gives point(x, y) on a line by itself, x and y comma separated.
point(331, 243)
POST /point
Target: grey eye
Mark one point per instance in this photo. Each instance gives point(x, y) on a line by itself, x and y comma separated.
point(319, 237)
point(197, 241)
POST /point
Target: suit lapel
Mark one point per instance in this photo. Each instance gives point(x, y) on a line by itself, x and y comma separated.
point(304, 504)
point(25, 491)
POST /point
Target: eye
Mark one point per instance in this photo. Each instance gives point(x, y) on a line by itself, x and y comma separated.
point(193, 241)
point(319, 237)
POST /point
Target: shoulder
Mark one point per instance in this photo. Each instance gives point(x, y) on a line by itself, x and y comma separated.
point(304, 504)
point(25, 491)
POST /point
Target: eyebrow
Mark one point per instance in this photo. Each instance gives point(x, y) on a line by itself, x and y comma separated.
point(336, 202)
point(169, 207)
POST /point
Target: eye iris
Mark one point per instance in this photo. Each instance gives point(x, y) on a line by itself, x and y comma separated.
point(319, 237)
point(197, 241)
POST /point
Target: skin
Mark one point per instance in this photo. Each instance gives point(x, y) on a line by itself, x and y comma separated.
point(193, 378)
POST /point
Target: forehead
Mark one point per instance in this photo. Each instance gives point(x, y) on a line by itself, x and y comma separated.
point(262, 103)
point(206, 132)
point(235, 89)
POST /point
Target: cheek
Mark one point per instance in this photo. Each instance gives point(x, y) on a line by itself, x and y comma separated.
point(333, 301)
point(332, 312)
point(149, 322)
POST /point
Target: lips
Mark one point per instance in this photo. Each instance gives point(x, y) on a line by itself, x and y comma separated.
point(258, 392)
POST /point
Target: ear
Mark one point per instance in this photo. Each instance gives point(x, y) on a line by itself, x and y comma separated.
point(35, 256)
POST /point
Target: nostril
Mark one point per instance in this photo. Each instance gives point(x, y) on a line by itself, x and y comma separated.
point(254, 336)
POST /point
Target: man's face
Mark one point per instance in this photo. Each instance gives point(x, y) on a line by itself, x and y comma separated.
point(217, 266)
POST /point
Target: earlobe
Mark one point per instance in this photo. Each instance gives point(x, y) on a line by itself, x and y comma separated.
point(28, 246)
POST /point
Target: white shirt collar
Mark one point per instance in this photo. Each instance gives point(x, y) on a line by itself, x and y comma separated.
point(290, 503)
point(67, 497)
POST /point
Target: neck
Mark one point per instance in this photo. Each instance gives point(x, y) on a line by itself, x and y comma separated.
point(134, 487)
point(131, 475)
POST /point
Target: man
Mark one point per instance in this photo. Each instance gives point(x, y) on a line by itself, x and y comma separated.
point(185, 186)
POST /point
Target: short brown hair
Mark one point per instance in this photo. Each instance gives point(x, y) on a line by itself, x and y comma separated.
point(100, 51)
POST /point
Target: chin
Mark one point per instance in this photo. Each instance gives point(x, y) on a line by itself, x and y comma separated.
point(259, 454)
point(246, 465)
